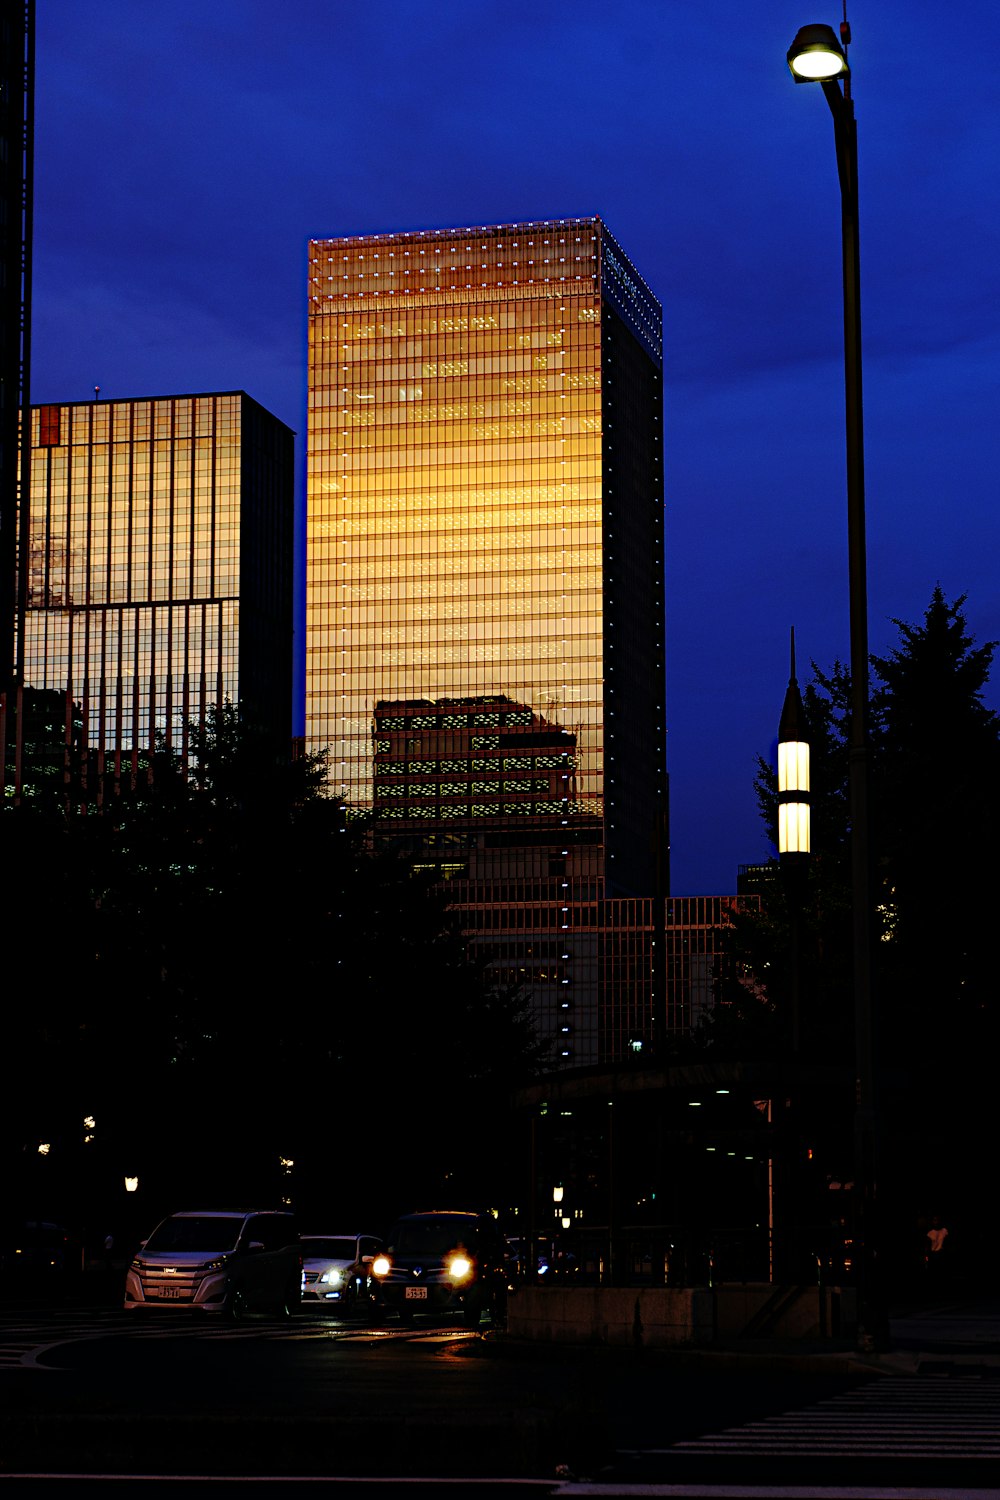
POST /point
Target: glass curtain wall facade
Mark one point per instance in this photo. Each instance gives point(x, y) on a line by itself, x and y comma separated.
point(703, 965)
point(17, 90)
point(485, 623)
point(159, 569)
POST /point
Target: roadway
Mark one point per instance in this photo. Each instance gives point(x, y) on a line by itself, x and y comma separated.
point(91, 1392)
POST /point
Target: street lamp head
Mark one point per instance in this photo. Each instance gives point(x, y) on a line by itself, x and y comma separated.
point(816, 55)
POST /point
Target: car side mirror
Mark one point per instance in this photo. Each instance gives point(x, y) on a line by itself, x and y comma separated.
point(255, 1245)
point(366, 1260)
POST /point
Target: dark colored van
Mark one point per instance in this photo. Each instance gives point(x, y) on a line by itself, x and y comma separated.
point(439, 1261)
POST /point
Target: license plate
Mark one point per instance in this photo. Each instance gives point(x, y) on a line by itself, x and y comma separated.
point(164, 1291)
point(415, 1294)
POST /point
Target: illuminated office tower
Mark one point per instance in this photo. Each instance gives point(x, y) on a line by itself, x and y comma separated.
point(17, 92)
point(159, 579)
point(485, 565)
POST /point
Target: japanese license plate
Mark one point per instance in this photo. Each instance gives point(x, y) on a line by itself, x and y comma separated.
point(415, 1294)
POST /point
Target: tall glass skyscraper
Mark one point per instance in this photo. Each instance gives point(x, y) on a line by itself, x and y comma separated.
point(485, 616)
point(159, 566)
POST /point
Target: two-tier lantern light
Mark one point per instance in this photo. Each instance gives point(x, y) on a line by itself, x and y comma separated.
point(794, 830)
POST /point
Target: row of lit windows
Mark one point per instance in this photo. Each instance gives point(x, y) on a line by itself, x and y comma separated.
point(477, 401)
point(398, 518)
point(409, 766)
point(575, 665)
point(524, 766)
point(553, 430)
point(529, 490)
point(417, 370)
point(484, 644)
point(522, 786)
point(483, 597)
point(378, 468)
point(371, 489)
point(330, 407)
point(407, 553)
point(577, 342)
point(135, 421)
point(387, 528)
point(422, 323)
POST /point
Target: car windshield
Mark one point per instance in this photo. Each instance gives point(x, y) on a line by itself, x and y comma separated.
point(315, 1248)
point(210, 1232)
point(431, 1236)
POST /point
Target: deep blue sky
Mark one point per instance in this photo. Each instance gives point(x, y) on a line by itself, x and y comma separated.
point(185, 153)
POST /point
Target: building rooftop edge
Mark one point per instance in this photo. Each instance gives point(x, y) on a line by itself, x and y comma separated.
point(161, 396)
point(448, 230)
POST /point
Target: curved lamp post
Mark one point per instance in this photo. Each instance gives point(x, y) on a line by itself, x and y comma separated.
point(817, 56)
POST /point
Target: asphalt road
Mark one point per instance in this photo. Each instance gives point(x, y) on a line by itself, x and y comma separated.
point(89, 1391)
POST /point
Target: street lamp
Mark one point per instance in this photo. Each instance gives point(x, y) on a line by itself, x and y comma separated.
point(794, 840)
point(794, 831)
point(816, 56)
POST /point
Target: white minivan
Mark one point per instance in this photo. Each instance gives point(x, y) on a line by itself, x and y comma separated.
point(225, 1262)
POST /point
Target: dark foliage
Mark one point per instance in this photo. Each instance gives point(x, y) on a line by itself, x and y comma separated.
point(249, 1004)
point(934, 782)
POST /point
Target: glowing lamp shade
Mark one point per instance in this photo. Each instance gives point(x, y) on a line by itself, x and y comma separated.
point(816, 55)
point(131, 1184)
point(793, 772)
point(793, 766)
point(793, 795)
point(793, 828)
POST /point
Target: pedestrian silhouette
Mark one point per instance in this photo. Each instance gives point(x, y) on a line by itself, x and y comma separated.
point(936, 1255)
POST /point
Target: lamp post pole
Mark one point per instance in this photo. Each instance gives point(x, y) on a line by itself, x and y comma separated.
point(794, 845)
point(815, 55)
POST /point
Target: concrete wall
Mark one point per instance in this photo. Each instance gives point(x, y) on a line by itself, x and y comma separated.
point(759, 1310)
point(636, 1316)
point(653, 1317)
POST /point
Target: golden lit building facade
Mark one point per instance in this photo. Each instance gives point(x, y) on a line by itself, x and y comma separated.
point(485, 564)
point(159, 566)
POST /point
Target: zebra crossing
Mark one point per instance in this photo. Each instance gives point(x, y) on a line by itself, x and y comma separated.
point(919, 1417)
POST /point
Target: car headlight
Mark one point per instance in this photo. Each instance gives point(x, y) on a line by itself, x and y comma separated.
point(213, 1265)
point(333, 1277)
point(381, 1265)
point(459, 1267)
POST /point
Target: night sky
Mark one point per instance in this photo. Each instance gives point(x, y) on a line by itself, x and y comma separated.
point(186, 152)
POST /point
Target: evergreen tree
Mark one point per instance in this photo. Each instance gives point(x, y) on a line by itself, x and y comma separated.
point(936, 809)
point(934, 782)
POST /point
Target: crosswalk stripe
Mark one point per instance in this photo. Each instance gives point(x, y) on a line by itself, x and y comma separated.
point(888, 1418)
